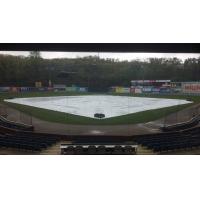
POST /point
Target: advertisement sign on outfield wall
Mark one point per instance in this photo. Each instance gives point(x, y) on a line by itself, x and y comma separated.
point(125, 90)
point(138, 90)
point(4, 89)
point(82, 89)
point(156, 90)
point(147, 89)
point(132, 90)
point(118, 89)
point(38, 84)
point(71, 89)
point(165, 90)
point(192, 87)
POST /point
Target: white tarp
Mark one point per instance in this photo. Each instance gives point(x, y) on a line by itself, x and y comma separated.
point(88, 105)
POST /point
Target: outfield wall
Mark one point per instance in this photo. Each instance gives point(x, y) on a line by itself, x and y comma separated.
point(189, 88)
point(120, 90)
point(43, 89)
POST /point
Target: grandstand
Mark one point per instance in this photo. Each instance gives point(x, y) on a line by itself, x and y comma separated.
point(12, 137)
point(22, 137)
point(15, 136)
point(171, 141)
point(27, 141)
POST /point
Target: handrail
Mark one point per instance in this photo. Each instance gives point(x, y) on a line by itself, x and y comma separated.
point(179, 126)
point(16, 125)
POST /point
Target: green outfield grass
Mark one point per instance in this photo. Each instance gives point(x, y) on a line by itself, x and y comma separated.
point(54, 116)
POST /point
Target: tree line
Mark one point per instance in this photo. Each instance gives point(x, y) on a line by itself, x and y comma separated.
point(92, 71)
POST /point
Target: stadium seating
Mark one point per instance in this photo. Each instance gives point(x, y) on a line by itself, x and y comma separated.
point(170, 141)
point(27, 141)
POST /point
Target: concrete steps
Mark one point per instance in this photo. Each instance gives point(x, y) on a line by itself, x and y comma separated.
point(141, 150)
point(55, 149)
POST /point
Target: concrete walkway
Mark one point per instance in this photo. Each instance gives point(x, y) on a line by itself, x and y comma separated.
point(50, 127)
point(151, 127)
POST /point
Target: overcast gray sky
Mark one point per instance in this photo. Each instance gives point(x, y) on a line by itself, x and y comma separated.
point(120, 56)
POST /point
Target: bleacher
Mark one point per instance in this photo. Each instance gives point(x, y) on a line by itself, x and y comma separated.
point(12, 135)
point(27, 141)
point(21, 136)
point(170, 141)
